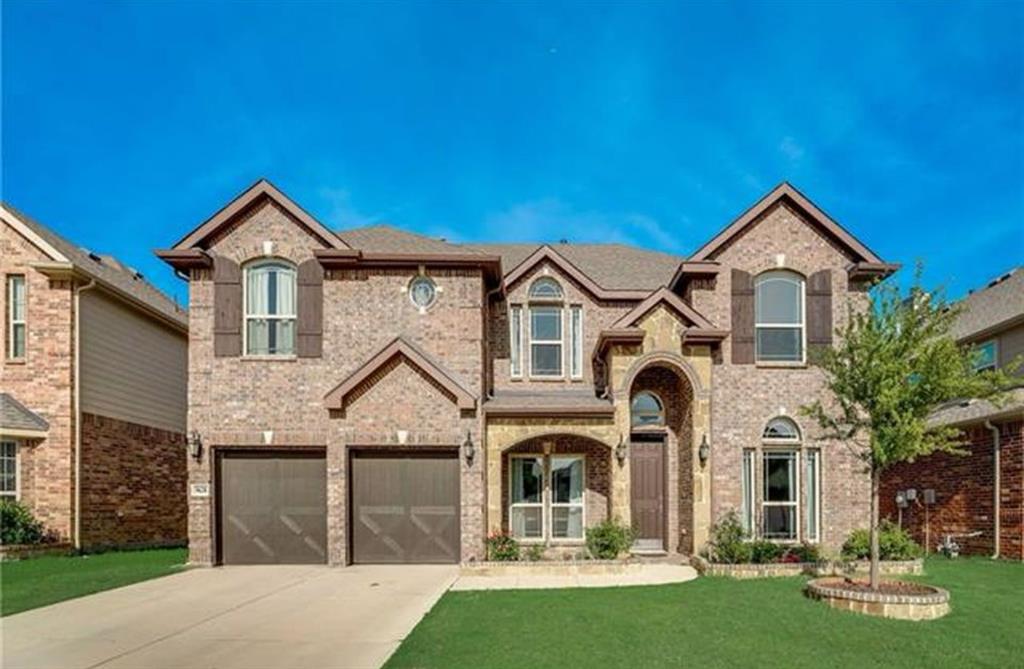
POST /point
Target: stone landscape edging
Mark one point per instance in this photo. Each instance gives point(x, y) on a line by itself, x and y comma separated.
point(747, 570)
point(25, 551)
point(901, 607)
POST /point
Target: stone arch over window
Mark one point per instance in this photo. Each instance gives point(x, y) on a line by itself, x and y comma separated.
point(647, 410)
point(270, 307)
point(779, 317)
point(546, 288)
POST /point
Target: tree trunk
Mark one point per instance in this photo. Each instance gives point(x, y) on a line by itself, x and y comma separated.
point(876, 476)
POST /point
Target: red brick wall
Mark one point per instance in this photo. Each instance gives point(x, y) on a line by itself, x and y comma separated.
point(133, 484)
point(963, 493)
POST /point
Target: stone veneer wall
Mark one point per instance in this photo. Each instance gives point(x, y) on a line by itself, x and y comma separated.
point(133, 484)
point(44, 382)
point(241, 401)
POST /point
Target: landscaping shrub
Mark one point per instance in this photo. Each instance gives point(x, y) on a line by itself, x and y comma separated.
point(534, 553)
point(893, 544)
point(728, 543)
point(765, 552)
point(18, 525)
point(803, 553)
point(501, 547)
point(609, 540)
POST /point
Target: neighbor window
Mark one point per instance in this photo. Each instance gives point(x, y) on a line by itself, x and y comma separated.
point(15, 316)
point(576, 341)
point(515, 341)
point(985, 356)
point(546, 497)
point(646, 410)
point(8, 469)
point(779, 502)
point(779, 317)
point(270, 309)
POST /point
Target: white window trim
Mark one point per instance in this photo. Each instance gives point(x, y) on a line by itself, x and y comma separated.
point(995, 354)
point(550, 342)
point(784, 326)
point(805, 453)
point(11, 322)
point(764, 493)
point(576, 342)
point(515, 361)
point(546, 503)
point(246, 316)
point(748, 464)
point(17, 470)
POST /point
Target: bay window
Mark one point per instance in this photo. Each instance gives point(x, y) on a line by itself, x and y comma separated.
point(546, 497)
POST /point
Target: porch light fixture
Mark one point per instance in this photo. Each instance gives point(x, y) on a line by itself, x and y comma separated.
point(620, 451)
point(195, 445)
point(468, 449)
point(704, 450)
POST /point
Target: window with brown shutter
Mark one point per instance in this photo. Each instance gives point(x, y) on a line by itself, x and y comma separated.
point(819, 311)
point(227, 307)
point(310, 309)
point(742, 318)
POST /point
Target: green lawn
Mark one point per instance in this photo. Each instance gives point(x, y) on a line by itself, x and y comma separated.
point(717, 622)
point(28, 584)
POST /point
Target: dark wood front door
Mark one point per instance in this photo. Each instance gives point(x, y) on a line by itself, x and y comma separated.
point(405, 509)
point(647, 486)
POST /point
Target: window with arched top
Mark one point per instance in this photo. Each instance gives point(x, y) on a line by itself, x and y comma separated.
point(545, 288)
point(781, 429)
point(646, 410)
point(779, 317)
point(270, 308)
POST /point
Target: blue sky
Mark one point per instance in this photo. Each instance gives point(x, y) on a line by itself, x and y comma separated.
point(126, 124)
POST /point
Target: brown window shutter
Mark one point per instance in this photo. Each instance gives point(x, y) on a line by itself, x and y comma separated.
point(310, 309)
point(742, 318)
point(819, 311)
point(227, 308)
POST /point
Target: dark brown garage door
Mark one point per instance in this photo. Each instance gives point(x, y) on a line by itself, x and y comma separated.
point(405, 509)
point(273, 508)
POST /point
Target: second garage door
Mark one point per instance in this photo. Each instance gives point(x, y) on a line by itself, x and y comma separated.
point(405, 509)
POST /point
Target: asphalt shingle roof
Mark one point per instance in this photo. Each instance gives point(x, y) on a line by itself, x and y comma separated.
point(999, 302)
point(15, 416)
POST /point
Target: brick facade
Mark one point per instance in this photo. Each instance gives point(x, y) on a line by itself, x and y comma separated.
point(964, 500)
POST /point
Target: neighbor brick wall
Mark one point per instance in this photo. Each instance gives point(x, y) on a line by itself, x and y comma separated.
point(745, 397)
point(963, 493)
point(43, 382)
point(133, 484)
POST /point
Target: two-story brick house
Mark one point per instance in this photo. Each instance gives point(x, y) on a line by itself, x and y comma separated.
point(93, 375)
point(976, 497)
point(373, 395)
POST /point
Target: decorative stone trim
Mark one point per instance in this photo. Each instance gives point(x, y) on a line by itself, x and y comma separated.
point(902, 607)
point(551, 568)
point(826, 568)
point(24, 551)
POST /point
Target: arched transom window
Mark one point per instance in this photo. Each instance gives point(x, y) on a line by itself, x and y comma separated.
point(779, 316)
point(646, 410)
point(545, 288)
point(781, 429)
point(270, 309)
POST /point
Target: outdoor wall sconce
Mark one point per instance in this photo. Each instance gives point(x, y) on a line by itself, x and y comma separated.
point(620, 451)
point(195, 445)
point(468, 449)
point(704, 450)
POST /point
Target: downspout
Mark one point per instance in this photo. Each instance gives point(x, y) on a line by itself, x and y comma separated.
point(996, 447)
point(78, 411)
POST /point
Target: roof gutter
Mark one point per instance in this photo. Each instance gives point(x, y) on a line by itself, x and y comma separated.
point(996, 484)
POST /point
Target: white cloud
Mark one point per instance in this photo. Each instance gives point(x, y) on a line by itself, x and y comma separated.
point(342, 213)
point(792, 149)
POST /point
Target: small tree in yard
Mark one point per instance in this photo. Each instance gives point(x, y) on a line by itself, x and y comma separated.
point(893, 364)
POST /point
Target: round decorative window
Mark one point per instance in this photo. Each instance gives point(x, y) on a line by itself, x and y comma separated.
point(422, 292)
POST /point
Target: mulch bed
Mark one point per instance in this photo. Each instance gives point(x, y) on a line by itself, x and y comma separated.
point(884, 587)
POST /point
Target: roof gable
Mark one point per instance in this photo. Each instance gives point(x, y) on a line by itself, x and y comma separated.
point(547, 254)
point(260, 191)
point(463, 398)
point(663, 296)
point(785, 192)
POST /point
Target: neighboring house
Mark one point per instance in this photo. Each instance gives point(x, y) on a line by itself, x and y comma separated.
point(92, 392)
point(966, 504)
point(373, 395)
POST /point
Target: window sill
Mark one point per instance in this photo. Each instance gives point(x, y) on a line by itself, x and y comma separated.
point(270, 358)
point(16, 361)
point(781, 365)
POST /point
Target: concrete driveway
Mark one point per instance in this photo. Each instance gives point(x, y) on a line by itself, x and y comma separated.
point(245, 617)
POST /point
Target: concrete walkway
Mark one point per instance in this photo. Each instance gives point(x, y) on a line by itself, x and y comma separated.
point(244, 617)
point(647, 574)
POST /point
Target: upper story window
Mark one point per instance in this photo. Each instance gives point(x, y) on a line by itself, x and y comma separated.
point(16, 316)
point(545, 288)
point(986, 354)
point(779, 317)
point(423, 292)
point(270, 310)
point(646, 410)
point(546, 328)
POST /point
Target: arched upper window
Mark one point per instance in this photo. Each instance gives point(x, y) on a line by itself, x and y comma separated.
point(646, 410)
point(270, 309)
point(545, 288)
point(779, 316)
point(781, 429)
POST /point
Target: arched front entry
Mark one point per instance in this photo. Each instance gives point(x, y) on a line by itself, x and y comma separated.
point(661, 458)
